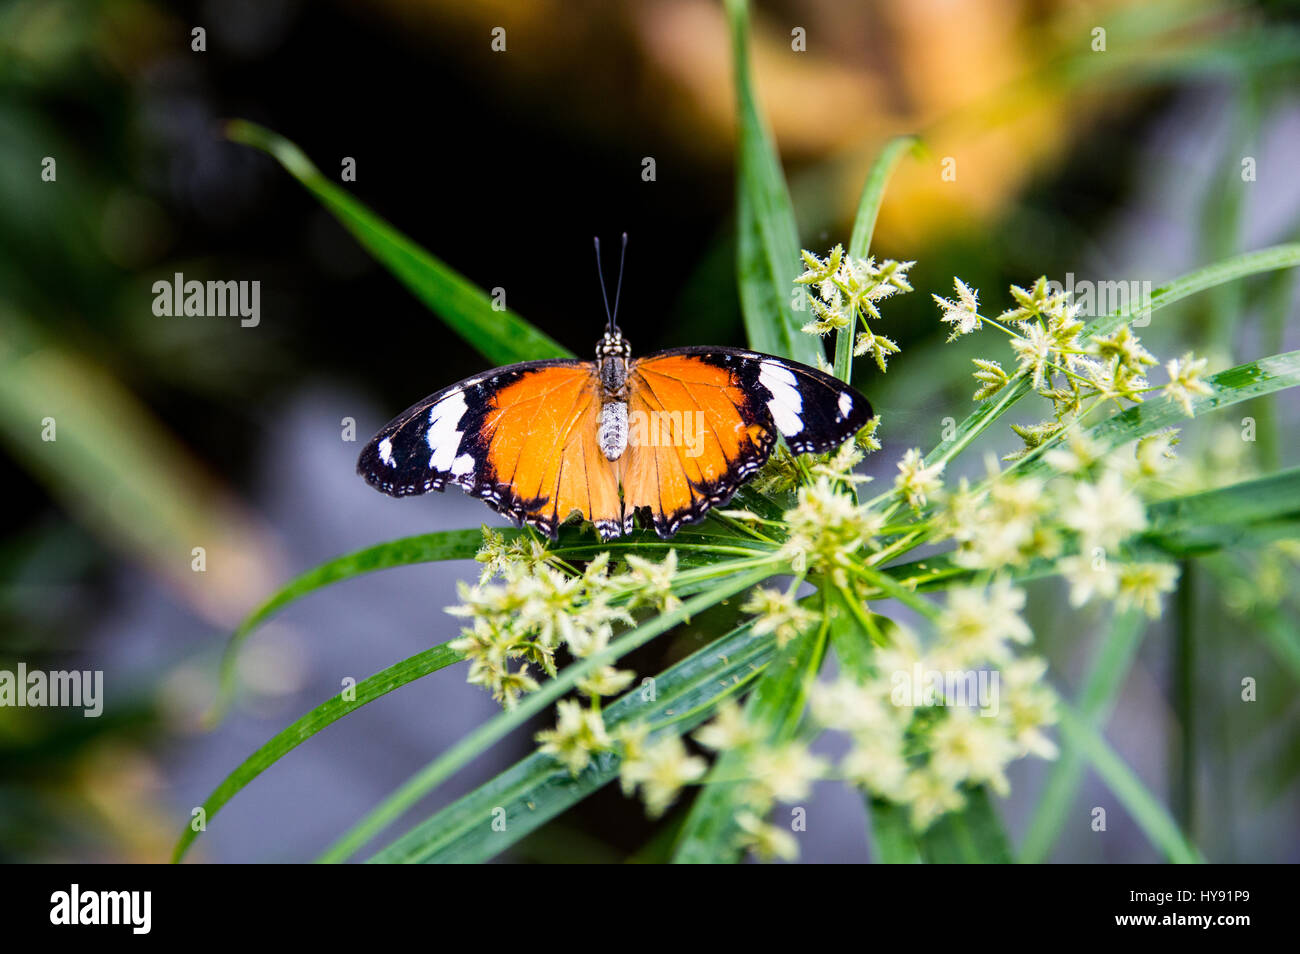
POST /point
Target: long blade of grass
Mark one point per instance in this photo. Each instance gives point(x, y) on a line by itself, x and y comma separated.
point(501, 336)
point(536, 789)
point(1242, 383)
point(774, 709)
point(972, 836)
point(1101, 686)
point(327, 713)
point(1152, 817)
point(507, 721)
point(424, 548)
point(873, 193)
point(767, 248)
point(1215, 519)
point(696, 546)
point(1249, 513)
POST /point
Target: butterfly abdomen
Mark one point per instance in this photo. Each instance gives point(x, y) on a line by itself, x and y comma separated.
point(613, 429)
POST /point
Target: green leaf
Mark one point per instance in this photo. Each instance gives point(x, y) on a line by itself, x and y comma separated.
point(774, 708)
point(1241, 266)
point(972, 836)
point(506, 722)
point(707, 543)
point(424, 548)
point(501, 336)
point(1217, 519)
point(873, 193)
point(327, 713)
point(1278, 632)
point(1152, 817)
point(892, 840)
point(767, 247)
point(536, 789)
point(1101, 686)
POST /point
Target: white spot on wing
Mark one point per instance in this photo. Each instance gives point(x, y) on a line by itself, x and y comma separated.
point(443, 436)
point(846, 404)
point(386, 452)
point(786, 403)
point(464, 464)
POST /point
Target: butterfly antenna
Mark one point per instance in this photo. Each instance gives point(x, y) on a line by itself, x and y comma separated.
point(618, 291)
point(600, 272)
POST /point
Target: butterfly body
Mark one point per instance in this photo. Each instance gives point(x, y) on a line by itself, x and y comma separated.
point(674, 433)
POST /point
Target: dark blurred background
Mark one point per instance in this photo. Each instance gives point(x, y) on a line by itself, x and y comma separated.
point(182, 432)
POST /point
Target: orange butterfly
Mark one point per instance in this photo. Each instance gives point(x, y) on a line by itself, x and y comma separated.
point(674, 433)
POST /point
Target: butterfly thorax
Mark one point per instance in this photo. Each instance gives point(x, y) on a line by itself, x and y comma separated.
point(612, 356)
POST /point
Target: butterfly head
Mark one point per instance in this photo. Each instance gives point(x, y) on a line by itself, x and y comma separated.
point(613, 346)
point(612, 355)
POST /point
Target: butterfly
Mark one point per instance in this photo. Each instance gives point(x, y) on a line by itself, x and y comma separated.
point(673, 434)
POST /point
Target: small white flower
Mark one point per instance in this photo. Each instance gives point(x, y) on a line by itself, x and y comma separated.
point(915, 480)
point(1034, 353)
point(1142, 584)
point(766, 841)
point(966, 747)
point(979, 620)
point(1185, 380)
point(578, 734)
point(785, 772)
point(964, 313)
point(661, 769)
point(1089, 575)
point(1104, 514)
point(729, 729)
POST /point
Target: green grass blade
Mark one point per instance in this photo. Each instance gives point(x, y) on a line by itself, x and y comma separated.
point(1152, 817)
point(1101, 686)
point(507, 721)
point(327, 713)
point(873, 193)
point(892, 838)
point(1245, 382)
point(775, 708)
point(424, 548)
point(1233, 269)
point(1216, 519)
point(501, 336)
point(536, 789)
point(767, 255)
point(1278, 632)
point(701, 545)
point(972, 836)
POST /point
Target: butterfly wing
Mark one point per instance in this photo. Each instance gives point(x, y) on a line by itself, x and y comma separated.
point(522, 438)
point(722, 409)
